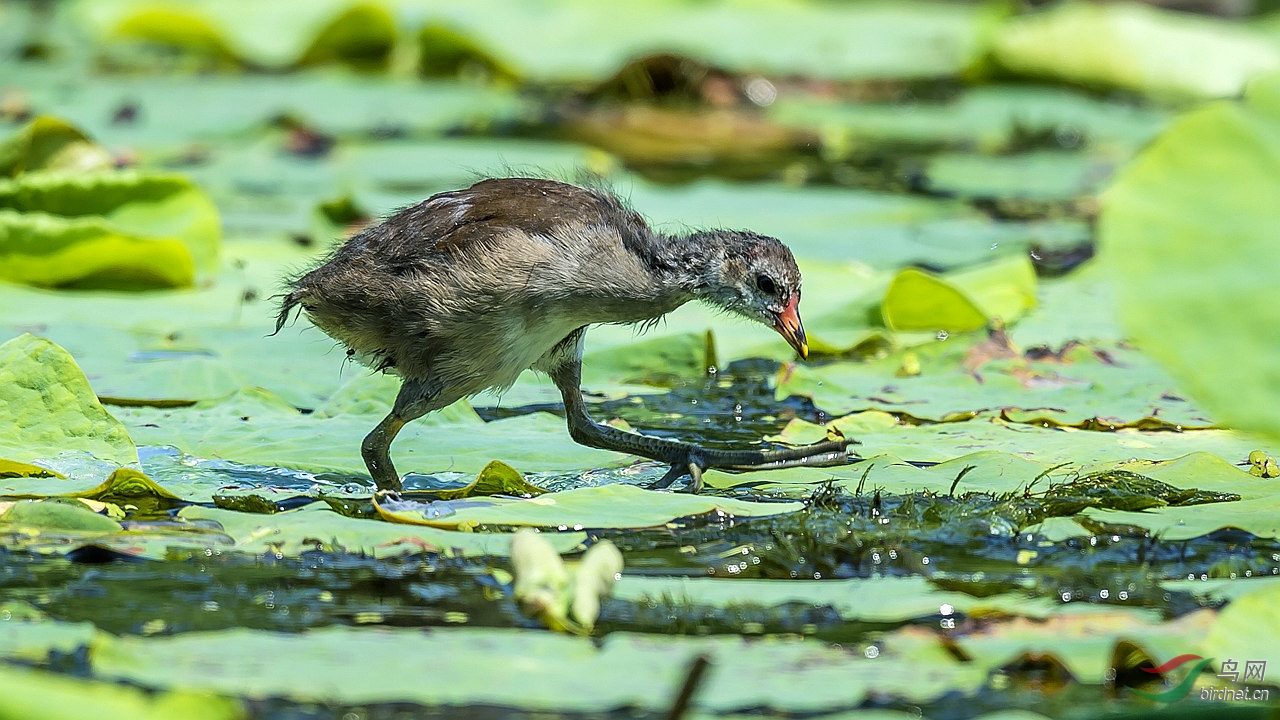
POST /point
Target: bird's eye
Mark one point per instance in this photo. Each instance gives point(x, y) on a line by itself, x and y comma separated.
point(766, 284)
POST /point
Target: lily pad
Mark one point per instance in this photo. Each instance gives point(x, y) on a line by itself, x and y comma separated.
point(871, 600)
point(32, 640)
point(1185, 230)
point(49, 143)
point(607, 506)
point(45, 397)
point(43, 695)
point(315, 526)
point(116, 229)
point(1130, 46)
point(221, 37)
point(966, 300)
point(57, 515)
point(553, 672)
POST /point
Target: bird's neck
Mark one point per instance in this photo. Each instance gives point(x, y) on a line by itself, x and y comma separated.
point(688, 264)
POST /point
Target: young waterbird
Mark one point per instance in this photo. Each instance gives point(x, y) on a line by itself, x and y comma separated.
point(465, 290)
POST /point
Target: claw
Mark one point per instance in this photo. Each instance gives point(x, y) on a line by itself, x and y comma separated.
point(678, 470)
point(695, 478)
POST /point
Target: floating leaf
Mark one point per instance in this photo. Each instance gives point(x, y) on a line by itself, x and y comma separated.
point(497, 478)
point(1131, 46)
point(126, 485)
point(294, 532)
point(9, 468)
point(106, 229)
point(960, 301)
point(918, 300)
point(1188, 230)
point(47, 401)
point(43, 695)
point(57, 515)
point(607, 506)
point(557, 673)
point(443, 52)
point(362, 36)
point(49, 143)
point(214, 36)
point(31, 640)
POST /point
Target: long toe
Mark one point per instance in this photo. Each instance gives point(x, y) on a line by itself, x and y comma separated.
point(677, 471)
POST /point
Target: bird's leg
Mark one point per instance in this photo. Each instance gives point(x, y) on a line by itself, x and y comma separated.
point(415, 400)
point(376, 450)
point(685, 459)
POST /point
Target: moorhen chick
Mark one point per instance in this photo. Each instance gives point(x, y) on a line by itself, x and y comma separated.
point(465, 290)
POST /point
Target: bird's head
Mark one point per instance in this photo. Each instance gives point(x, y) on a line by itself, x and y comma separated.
point(755, 277)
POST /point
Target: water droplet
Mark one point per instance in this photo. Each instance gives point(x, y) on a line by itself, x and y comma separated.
point(761, 91)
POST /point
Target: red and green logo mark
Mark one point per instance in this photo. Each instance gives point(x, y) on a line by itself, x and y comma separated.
point(1180, 690)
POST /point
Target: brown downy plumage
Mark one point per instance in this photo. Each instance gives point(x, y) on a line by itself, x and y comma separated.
point(465, 290)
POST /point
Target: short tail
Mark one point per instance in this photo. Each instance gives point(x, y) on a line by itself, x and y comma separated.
point(290, 301)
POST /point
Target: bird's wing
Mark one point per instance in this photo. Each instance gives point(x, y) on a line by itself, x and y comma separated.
point(491, 211)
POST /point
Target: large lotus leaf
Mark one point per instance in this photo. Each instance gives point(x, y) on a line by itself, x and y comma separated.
point(268, 35)
point(834, 225)
point(49, 143)
point(1083, 643)
point(864, 40)
point(51, 251)
point(1002, 290)
point(1073, 450)
point(871, 600)
point(49, 409)
point(363, 36)
point(654, 361)
point(1188, 231)
point(446, 53)
point(12, 469)
point(989, 118)
point(34, 516)
point(1257, 512)
point(1134, 47)
point(31, 640)
point(1043, 176)
point(1115, 384)
point(1077, 307)
point(228, 110)
point(266, 190)
point(42, 695)
point(606, 506)
point(1001, 471)
point(297, 531)
point(256, 427)
point(101, 228)
point(1248, 628)
point(542, 670)
point(1257, 517)
point(919, 300)
point(1221, 589)
point(175, 347)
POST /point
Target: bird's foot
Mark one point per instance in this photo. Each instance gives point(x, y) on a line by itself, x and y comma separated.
point(679, 470)
point(692, 461)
